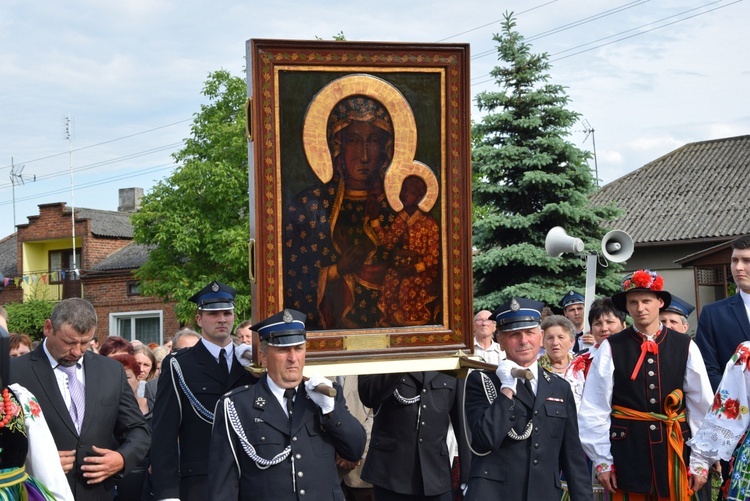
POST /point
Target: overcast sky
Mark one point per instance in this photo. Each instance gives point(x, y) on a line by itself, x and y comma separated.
point(647, 76)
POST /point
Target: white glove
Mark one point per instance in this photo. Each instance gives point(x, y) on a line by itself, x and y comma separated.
point(244, 354)
point(325, 402)
point(504, 373)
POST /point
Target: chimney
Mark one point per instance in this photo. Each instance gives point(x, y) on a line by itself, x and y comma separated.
point(130, 199)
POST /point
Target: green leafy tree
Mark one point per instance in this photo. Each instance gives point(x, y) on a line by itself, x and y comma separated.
point(29, 317)
point(196, 220)
point(527, 179)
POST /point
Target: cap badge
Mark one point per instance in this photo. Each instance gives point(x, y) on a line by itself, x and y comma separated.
point(571, 293)
point(287, 317)
point(514, 306)
point(215, 287)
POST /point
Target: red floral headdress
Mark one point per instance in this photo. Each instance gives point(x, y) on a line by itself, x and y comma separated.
point(643, 279)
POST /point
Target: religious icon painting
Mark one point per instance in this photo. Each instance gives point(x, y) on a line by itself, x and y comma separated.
point(360, 182)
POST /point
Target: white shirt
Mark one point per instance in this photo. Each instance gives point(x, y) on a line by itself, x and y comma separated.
point(492, 355)
point(278, 392)
point(596, 405)
point(61, 377)
point(214, 351)
point(746, 300)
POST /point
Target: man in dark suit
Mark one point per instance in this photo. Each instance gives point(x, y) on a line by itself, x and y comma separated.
point(723, 325)
point(524, 432)
point(408, 457)
point(191, 382)
point(91, 411)
point(277, 440)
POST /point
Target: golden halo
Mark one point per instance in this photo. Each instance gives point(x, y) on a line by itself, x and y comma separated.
point(395, 176)
point(314, 132)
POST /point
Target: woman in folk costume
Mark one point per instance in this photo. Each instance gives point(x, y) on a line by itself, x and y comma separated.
point(723, 433)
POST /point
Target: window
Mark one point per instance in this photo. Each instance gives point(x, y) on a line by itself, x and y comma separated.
point(145, 326)
point(133, 288)
point(61, 265)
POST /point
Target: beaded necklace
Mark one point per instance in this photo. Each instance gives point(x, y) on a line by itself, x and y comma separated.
point(7, 408)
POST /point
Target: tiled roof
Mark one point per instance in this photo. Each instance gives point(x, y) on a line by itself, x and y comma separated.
point(106, 223)
point(8, 251)
point(129, 257)
point(698, 191)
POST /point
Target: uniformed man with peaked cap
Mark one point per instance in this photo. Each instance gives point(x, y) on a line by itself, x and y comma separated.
point(191, 382)
point(278, 439)
point(524, 432)
point(573, 306)
point(675, 316)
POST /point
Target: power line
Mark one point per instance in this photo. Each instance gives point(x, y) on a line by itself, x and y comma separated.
point(102, 143)
point(628, 31)
point(92, 184)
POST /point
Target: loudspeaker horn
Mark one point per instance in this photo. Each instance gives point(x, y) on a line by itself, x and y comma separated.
point(617, 246)
point(558, 242)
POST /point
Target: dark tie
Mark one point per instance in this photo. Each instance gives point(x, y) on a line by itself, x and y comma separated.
point(289, 395)
point(77, 396)
point(223, 362)
point(527, 384)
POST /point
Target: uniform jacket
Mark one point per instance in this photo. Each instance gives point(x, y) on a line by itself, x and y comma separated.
point(309, 471)
point(722, 326)
point(112, 419)
point(525, 469)
point(408, 452)
point(175, 419)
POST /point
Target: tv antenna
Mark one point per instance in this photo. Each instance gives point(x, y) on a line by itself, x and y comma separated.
point(589, 130)
point(17, 178)
point(68, 134)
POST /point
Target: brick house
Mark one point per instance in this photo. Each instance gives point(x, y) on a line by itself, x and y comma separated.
point(41, 261)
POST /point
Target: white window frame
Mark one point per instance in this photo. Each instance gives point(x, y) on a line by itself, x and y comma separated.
point(114, 317)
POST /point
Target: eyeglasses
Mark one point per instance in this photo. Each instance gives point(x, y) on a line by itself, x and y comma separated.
point(483, 321)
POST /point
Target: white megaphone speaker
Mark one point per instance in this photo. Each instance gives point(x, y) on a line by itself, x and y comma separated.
point(558, 242)
point(617, 246)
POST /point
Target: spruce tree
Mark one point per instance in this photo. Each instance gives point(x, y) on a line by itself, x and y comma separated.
point(529, 178)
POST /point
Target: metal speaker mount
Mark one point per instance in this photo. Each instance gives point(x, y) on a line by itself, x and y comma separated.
point(558, 242)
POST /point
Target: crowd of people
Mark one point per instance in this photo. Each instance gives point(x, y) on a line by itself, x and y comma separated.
point(625, 410)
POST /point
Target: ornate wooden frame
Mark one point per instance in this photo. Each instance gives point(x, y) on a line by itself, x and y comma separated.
point(283, 76)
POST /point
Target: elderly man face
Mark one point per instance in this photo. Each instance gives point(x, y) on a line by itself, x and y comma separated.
point(484, 328)
point(522, 345)
point(674, 321)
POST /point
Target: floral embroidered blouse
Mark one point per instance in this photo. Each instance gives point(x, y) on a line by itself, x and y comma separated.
point(728, 418)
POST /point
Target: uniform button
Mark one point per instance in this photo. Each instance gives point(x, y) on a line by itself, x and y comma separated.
point(422, 423)
point(424, 390)
point(298, 456)
point(651, 360)
point(652, 427)
point(536, 412)
point(300, 474)
point(294, 439)
point(420, 440)
point(512, 418)
point(651, 373)
point(424, 406)
point(338, 423)
point(445, 384)
point(262, 438)
point(622, 433)
point(536, 430)
point(614, 434)
point(302, 492)
point(536, 461)
point(557, 412)
point(652, 400)
point(651, 386)
point(536, 446)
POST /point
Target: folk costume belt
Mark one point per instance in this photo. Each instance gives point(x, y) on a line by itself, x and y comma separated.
point(12, 477)
point(678, 478)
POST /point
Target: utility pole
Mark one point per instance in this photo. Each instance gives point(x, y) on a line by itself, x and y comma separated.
point(588, 129)
point(16, 177)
